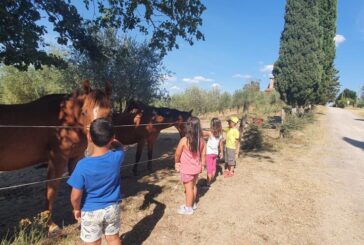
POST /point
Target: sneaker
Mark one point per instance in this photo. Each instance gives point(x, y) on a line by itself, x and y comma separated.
point(194, 207)
point(207, 186)
point(185, 210)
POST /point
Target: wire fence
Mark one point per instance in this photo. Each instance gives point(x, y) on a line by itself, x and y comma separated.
point(70, 127)
point(66, 177)
point(66, 126)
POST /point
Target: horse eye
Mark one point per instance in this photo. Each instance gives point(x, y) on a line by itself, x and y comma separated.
point(84, 113)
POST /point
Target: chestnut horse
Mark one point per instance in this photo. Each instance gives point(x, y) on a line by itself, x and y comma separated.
point(148, 122)
point(22, 147)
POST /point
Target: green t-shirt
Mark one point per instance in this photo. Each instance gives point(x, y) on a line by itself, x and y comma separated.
point(232, 135)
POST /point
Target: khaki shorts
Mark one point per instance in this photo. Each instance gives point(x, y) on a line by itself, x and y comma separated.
point(98, 222)
point(230, 157)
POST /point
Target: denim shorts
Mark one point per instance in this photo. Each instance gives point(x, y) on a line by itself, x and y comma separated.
point(98, 222)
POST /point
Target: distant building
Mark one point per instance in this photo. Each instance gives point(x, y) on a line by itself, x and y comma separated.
point(270, 86)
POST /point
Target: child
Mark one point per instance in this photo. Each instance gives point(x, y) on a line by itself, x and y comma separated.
point(232, 145)
point(214, 142)
point(189, 159)
point(95, 185)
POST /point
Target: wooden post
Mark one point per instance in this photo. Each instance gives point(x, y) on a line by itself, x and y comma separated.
point(243, 121)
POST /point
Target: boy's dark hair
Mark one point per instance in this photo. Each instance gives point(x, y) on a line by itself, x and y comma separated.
point(101, 131)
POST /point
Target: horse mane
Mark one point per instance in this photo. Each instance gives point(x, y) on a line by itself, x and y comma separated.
point(166, 112)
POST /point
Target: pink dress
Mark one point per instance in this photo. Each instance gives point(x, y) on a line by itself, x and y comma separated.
point(190, 163)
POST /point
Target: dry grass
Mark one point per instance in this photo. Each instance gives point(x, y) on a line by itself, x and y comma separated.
point(357, 111)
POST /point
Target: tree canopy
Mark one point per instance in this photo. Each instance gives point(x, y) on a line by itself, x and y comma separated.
point(22, 26)
point(305, 72)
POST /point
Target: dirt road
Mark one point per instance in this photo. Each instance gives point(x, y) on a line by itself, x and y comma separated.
point(309, 193)
point(343, 172)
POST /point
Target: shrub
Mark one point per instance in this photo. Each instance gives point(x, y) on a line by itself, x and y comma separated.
point(294, 122)
point(253, 139)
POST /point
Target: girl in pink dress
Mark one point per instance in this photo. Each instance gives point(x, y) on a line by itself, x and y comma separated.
point(189, 161)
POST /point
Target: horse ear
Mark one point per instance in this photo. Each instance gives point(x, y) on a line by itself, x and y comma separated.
point(190, 111)
point(108, 89)
point(86, 86)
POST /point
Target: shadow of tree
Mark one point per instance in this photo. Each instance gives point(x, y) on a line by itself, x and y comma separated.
point(142, 230)
point(356, 143)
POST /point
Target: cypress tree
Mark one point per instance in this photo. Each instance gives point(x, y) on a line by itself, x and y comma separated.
point(298, 70)
point(329, 85)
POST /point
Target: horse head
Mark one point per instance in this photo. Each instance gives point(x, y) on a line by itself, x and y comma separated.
point(181, 122)
point(93, 103)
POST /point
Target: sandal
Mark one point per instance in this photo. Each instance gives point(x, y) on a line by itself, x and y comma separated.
point(230, 174)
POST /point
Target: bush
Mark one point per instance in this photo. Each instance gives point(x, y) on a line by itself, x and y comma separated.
point(294, 122)
point(360, 104)
point(253, 139)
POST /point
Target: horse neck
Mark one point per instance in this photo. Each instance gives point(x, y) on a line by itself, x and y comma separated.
point(43, 111)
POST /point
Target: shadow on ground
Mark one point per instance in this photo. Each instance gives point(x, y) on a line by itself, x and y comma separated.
point(356, 143)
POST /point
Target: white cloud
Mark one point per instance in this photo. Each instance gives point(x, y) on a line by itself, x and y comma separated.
point(339, 39)
point(175, 88)
point(267, 69)
point(216, 85)
point(197, 79)
point(245, 77)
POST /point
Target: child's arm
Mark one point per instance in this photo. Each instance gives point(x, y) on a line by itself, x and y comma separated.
point(203, 156)
point(76, 196)
point(177, 155)
point(221, 144)
point(205, 133)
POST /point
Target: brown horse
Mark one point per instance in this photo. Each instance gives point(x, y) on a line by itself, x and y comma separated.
point(148, 122)
point(22, 147)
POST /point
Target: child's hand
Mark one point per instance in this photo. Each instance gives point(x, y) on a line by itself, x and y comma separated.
point(77, 214)
point(202, 168)
point(115, 144)
point(221, 155)
point(177, 166)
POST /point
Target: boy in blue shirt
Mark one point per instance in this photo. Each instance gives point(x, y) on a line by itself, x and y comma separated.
point(95, 186)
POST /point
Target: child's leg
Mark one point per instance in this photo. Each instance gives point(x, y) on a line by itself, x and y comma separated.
point(112, 224)
point(213, 176)
point(194, 189)
point(113, 239)
point(189, 193)
point(98, 242)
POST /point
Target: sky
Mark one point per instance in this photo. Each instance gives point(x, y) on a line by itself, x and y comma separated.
point(242, 43)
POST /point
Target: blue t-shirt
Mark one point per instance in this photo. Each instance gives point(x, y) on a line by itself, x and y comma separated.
point(99, 178)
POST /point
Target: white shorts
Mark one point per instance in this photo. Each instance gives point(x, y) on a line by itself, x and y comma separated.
point(102, 221)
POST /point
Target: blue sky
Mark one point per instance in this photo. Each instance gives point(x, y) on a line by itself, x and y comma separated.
point(242, 43)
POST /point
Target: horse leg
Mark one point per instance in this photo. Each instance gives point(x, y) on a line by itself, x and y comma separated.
point(56, 167)
point(138, 155)
point(72, 164)
point(151, 142)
